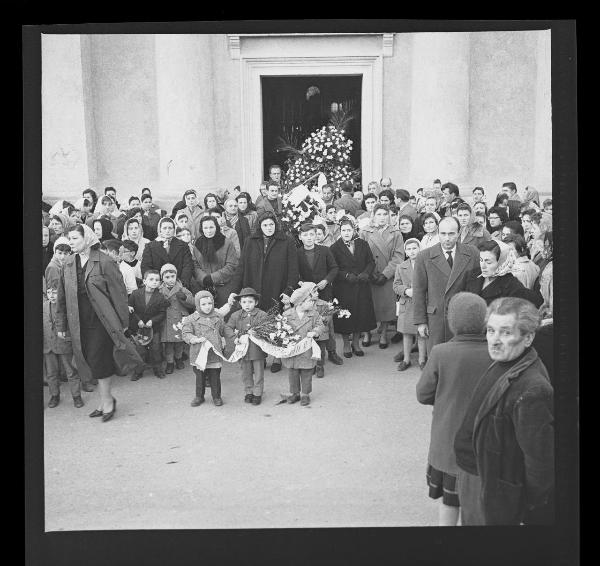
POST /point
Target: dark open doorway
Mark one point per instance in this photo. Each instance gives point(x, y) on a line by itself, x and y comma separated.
point(292, 110)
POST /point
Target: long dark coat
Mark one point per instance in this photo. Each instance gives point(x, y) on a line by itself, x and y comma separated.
point(270, 273)
point(434, 284)
point(108, 296)
point(505, 286)
point(356, 297)
point(325, 267)
point(221, 270)
point(242, 227)
point(155, 310)
point(155, 256)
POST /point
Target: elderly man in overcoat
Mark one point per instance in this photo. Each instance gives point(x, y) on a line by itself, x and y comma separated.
point(440, 272)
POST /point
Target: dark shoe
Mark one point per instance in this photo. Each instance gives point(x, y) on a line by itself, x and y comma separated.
point(399, 356)
point(335, 359)
point(293, 398)
point(383, 345)
point(78, 402)
point(357, 352)
point(256, 399)
point(366, 343)
point(305, 400)
point(396, 338)
point(96, 413)
point(403, 366)
point(320, 371)
point(422, 365)
point(107, 416)
point(184, 357)
point(218, 402)
point(248, 398)
point(87, 387)
point(169, 369)
point(179, 363)
point(54, 401)
point(196, 401)
point(347, 354)
point(275, 367)
point(158, 372)
point(136, 375)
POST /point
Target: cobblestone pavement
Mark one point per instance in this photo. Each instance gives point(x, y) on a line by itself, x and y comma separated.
point(356, 456)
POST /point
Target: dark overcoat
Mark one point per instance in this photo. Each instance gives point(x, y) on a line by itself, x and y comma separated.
point(434, 284)
point(269, 273)
point(325, 267)
point(155, 310)
point(108, 296)
point(243, 229)
point(356, 297)
point(52, 343)
point(155, 256)
point(475, 235)
point(504, 286)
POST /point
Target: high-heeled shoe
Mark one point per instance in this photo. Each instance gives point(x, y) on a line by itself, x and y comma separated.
point(108, 416)
point(366, 342)
point(357, 352)
point(383, 345)
point(96, 413)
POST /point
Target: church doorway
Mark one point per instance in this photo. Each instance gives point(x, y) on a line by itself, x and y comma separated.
point(295, 106)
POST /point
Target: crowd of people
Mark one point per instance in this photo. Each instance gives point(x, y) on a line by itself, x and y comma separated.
point(466, 288)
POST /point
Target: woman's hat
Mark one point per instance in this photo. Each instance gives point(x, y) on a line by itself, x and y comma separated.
point(247, 292)
point(305, 291)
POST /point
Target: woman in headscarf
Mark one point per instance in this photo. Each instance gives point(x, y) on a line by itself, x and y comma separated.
point(496, 280)
point(166, 248)
point(92, 306)
point(536, 244)
point(247, 208)
point(103, 229)
point(351, 286)
point(133, 230)
point(215, 260)
point(387, 245)
point(233, 219)
point(408, 228)
point(431, 236)
point(59, 226)
point(531, 196)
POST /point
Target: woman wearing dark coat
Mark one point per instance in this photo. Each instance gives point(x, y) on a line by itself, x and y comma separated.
point(496, 259)
point(168, 249)
point(215, 260)
point(92, 305)
point(103, 229)
point(268, 264)
point(351, 286)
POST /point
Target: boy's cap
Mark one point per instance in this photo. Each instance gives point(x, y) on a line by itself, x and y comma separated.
point(305, 291)
point(167, 267)
point(247, 292)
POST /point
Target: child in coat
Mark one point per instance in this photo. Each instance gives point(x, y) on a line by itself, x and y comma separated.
point(181, 303)
point(404, 292)
point(252, 364)
point(307, 323)
point(148, 309)
point(206, 323)
point(57, 352)
point(54, 268)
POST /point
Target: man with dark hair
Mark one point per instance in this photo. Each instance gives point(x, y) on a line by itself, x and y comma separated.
point(402, 200)
point(387, 197)
point(112, 192)
point(193, 210)
point(134, 202)
point(452, 199)
point(511, 191)
point(470, 232)
point(150, 218)
point(514, 200)
point(112, 248)
point(440, 272)
point(272, 203)
point(346, 201)
point(511, 227)
point(275, 174)
point(505, 445)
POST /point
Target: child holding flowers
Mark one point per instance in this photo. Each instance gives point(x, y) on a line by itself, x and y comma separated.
point(206, 323)
point(252, 364)
point(306, 322)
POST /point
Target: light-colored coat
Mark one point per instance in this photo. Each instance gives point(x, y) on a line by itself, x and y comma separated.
point(388, 251)
point(108, 296)
point(310, 322)
point(211, 327)
point(402, 282)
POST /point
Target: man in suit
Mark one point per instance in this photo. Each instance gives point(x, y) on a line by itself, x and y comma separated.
point(347, 202)
point(272, 203)
point(514, 200)
point(470, 232)
point(316, 264)
point(402, 200)
point(440, 272)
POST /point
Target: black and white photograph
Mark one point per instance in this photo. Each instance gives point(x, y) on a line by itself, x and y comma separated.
point(299, 279)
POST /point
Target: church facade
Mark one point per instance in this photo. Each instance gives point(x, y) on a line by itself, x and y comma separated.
point(172, 112)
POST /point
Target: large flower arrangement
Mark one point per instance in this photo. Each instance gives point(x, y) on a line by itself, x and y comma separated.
point(327, 150)
point(298, 207)
point(275, 330)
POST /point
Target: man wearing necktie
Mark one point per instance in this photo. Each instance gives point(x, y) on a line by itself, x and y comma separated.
point(440, 272)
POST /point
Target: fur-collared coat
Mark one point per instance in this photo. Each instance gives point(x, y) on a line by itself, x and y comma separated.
point(108, 296)
point(310, 322)
point(221, 270)
point(242, 321)
point(388, 251)
point(434, 284)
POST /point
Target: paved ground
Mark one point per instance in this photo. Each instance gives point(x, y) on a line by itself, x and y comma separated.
point(355, 457)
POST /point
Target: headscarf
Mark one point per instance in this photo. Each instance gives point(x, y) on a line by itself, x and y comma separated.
point(409, 235)
point(64, 220)
point(531, 194)
point(89, 238)
point(349, 219)
point(59, 207)
point(125, 231)
point(106, 228)
point(505, 261)
point(209, 246)
point(159, 238)
point(412, 241)
point(201, 295)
